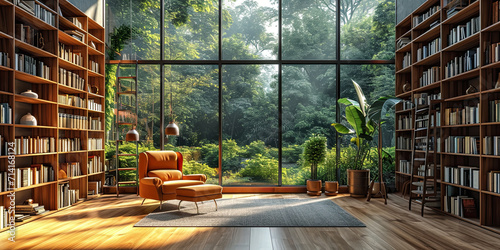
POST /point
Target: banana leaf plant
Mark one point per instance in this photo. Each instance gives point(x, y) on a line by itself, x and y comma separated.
point(364, 120)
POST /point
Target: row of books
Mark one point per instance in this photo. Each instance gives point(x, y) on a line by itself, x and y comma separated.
point(422, 121)
point(5, 113)
point(69, 144)
point(35, 145)
point(94, 164)
point(94, 187)
point(494, 111)
point(405, 122)
point(30, 209)
point(94, 105)
point(495, 11)
point(94, 66)
point(491, 52)
point(72, 121)
point(462, 144)
point(406, 60)
point(465, 115)
point(29, 35)
point(4, 145)
point(71, 100)
point(32, 66)
point(4, 59)
point(431, 48)
point(461, 64)
point(35, 174)
point(75, 34)
point(463, 31)
point(95, 123)
point(491, 145)
point(405, 166)
point(462, 175)
point(71, 79)
point(422, 17)
point(37, 10)
point(425, 98)
point(110, 180)
point(431, 170)
point(403, 41)
point(494, 181)
point(407, 104)
point(436, 119)
point(45, 15)
point(462, 206)
point(403, 143)
point(4, 218)
point(67, 196)
point(455, 6)
point(429, 76)
point(95, 144)
point(4, 181)
point(71, 54)
point(421, 143)
point(72, 169)
point(75, 21)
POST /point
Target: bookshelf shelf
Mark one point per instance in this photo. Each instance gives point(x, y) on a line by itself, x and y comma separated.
point(33, 50)
point(455, 97)
point(68, 21)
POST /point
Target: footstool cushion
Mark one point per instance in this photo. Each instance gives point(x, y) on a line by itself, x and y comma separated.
point(199, 192)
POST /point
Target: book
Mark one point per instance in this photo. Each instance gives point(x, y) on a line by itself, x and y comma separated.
point(469, 208)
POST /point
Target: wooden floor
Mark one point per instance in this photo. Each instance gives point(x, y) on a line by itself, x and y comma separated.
point(107, 223)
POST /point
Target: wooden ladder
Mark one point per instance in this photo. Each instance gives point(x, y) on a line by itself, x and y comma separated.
point(423, 177)
point(129, 91)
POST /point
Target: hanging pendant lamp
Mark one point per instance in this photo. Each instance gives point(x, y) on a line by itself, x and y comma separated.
point(172, 128)
point(132, 135)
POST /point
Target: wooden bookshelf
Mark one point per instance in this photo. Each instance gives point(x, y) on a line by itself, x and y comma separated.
point(23, 33)
point(481, 25)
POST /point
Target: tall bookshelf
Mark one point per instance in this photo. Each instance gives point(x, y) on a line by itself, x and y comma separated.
point(70, 104)
point(468, 118)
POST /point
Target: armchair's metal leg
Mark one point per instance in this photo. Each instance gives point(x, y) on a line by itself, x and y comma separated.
point(197, 210)
point(161, 203)
point(179, 206)
point(216, 208)
point(143, 201)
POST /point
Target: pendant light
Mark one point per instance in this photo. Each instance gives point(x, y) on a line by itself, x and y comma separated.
point(172, 128)
point(132, 135)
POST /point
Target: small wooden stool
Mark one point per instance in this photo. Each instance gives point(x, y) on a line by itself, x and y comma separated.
point(197, 193)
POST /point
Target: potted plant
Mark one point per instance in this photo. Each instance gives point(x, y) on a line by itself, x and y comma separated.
point(314, 154)
point(364, 121)
point(331, 186)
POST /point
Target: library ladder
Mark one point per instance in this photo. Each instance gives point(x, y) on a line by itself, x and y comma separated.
point(126, 120)
point(423, 182)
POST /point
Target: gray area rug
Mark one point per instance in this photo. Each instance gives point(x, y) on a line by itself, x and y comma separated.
point(252, 213)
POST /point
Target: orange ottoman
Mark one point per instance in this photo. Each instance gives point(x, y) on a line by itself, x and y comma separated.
point(197, 193)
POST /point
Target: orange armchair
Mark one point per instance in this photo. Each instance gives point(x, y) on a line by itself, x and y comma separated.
point(160, 174)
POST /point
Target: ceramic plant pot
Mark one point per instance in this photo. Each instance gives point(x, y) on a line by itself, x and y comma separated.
point(331, 188)
point(314, 187)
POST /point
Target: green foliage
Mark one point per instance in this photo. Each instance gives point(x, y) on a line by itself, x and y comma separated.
point(193, 167)
point(314, 153)
point(260, 169)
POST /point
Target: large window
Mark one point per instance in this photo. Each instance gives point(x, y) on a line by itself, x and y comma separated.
point(249, 81)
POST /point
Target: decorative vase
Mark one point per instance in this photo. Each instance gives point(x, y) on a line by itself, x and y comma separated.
point(30, 94)
point(331, 188)
point(28, 119)
point(358, 182)
point(314, 187)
